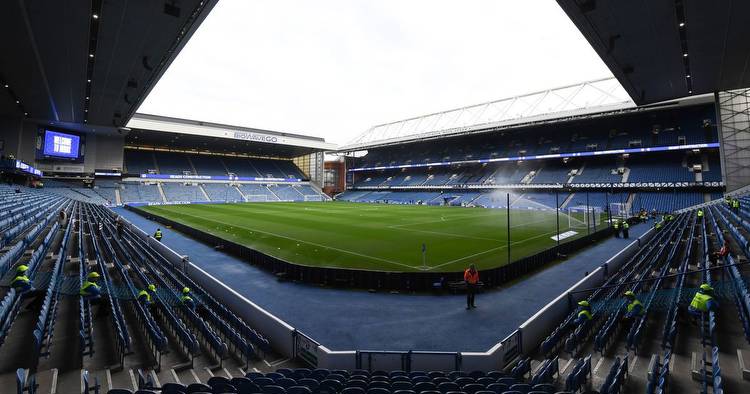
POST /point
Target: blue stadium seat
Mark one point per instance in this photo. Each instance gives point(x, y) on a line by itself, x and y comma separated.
point(173, 388)
point(194, 388)
point(299, 390)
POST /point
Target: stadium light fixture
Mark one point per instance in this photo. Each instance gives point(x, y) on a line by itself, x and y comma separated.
point(687, 76)
point(91, 55)
point(6, 85)
point(87, 97)
point(684, 54)
point(88, 81)
point(95, 16)
point(682, 24)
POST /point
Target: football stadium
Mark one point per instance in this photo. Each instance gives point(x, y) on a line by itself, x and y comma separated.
point(589, 237)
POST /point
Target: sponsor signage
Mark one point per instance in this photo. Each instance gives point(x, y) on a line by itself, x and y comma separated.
point(542, 157)
point(248, 136)
point(218, 178)
point(27, 168)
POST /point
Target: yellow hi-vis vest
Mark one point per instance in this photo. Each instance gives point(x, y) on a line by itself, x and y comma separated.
point(625, 225)
point(700, 302)
point(585, 313)
point(85, 286)
point(633, 305)
point(185, 299)
point(157, 235)
point(700, 213)
point(19, 278)
point(144, 294)
point(617, 225)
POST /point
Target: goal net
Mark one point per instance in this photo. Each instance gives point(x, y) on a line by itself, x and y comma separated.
point(583, 217)
point(619, 210)
point(256, 197)
point(316, 197)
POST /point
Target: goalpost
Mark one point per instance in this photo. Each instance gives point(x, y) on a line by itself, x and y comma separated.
point(583, 217)
point(619, 210)
point(256, 197)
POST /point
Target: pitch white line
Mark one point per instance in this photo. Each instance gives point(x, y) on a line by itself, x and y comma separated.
point(490, 250)
point(306, 242)
point(436, 221)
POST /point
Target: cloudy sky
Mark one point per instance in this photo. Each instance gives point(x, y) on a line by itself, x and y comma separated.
point(334, 68)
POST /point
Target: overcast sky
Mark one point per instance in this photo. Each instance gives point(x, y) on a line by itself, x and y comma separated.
point(334, 68)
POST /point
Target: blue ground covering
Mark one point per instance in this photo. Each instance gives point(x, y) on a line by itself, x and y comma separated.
point(357, 320)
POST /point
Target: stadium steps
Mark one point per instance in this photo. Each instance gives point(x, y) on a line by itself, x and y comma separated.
point(579, 172)
point(223, 165)
point(240, 191)
point(205, 195)
point(250, 163)
point(192, 166)
point(567, 201)
point(156, 163)
point(118, 198)
point(272, 192)
point(530, 176)
point(625, 175)
point(161, 192)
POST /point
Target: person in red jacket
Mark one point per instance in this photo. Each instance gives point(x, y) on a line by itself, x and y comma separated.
point(471, 276)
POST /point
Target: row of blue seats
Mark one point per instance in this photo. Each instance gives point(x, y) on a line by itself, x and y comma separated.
point(32, 216)
point(143, 161)
point(654, 256)
point(742, 291)
point(122, 335)
point(85, 315)
point(323, 381)
point(708, 332)
point(221, 312)
point(45, 325)
point(602, 298)
point(662, 130)
point(155, 337)
point(634, 335)
point(615, 379)
point(11, 303)
point(185, 338)
point(168, 279)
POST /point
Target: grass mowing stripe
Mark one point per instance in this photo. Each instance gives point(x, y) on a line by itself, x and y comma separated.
point(372, 237)
point(310, 243)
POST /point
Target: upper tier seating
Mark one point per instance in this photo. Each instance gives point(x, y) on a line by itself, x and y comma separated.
point(208, 165)
point(178, 163)
point(139, 161)
point(173, 163)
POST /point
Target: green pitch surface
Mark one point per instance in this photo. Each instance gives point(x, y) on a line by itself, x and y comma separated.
point(376, 237)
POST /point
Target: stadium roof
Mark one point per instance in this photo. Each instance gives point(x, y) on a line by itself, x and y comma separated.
point(662, 50)
point(89, 62)
point(574, 100)
point(162, 131)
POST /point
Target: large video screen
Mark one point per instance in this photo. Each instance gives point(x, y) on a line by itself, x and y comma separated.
point(61, 145)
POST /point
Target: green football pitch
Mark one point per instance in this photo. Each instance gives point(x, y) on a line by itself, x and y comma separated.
point(377, 237)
